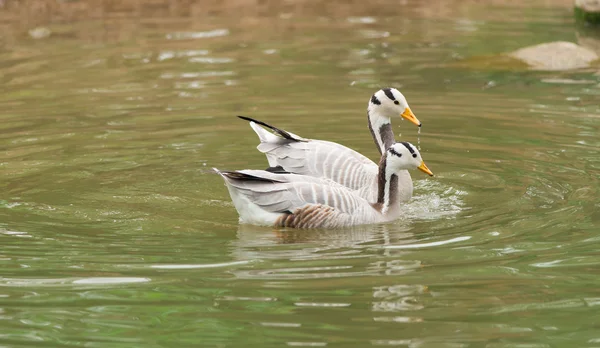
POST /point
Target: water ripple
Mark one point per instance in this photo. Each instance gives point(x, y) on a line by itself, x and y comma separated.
point(197, 34)
point(427, 245)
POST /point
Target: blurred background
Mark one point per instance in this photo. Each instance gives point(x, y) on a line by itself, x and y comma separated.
point(114, 232)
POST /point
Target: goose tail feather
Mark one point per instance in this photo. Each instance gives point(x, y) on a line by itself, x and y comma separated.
point(266, 136)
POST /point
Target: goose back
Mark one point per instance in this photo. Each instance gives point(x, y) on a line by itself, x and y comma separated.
point(289, 200)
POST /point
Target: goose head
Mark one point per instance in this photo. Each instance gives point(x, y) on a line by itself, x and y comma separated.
point(389, 102)
point(399, 156)
point(405, 156)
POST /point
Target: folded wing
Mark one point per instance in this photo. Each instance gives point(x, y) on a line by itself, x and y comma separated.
point(317, 158)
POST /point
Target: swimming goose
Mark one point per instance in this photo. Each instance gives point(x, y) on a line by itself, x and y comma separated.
point(288, 152)
point(299, 201)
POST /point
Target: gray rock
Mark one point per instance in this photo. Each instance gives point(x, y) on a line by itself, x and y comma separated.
point(40, 32)
point(588, 11)
point(555, 56)
point(588, 5)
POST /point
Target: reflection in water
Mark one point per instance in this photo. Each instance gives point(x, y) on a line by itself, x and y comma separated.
point(341, 247)
point(338, 251)
point(397, 298)
point(255, 242)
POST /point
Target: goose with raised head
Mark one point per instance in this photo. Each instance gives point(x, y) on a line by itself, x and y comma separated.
point(300, 201)
point(288, 152)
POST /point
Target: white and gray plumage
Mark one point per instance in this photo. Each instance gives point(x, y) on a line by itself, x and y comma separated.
point(300, 201)
point(287, 152)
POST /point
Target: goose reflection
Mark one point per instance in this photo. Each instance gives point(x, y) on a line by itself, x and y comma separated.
point(324, 253)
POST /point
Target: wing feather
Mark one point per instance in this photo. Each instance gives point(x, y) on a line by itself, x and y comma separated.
point(281, 192)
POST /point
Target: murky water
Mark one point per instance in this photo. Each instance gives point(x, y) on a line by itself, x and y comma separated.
point(115, 233)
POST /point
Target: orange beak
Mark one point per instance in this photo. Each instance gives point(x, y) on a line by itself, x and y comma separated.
point(424, 169)
point(408, 114)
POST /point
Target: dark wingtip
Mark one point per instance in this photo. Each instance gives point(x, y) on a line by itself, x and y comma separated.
point(281, 132)
point(235, 175)
point(245, 118)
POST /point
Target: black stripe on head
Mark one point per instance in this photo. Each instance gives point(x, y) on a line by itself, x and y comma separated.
point(374, 100)
point(412, 151)
point(393, 152)
point(388, 93)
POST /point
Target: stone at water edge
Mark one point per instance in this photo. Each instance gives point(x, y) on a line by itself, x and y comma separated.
point(40, 32)
point(588, 11)
point(555, 56)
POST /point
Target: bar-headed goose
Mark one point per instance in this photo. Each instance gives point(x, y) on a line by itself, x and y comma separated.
point(300, 201)
point(288, 152)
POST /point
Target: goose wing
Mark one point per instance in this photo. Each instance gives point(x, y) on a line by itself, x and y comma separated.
point(317, 158)
point(287, 193)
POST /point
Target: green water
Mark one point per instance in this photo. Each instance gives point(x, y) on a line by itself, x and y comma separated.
point(115, 233)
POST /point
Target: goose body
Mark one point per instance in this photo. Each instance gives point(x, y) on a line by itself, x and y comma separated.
point(291, 153)
point(300, 201)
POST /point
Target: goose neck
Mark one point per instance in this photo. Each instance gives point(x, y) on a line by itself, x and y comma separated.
point(381, 129)
point(387, 187)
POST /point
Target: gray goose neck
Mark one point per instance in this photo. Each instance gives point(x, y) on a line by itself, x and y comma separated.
point(381, 130)
point(387, 186)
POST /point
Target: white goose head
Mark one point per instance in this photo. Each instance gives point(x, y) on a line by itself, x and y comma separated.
point(388, 103)
point(383, 105)
point(399, 156)
point(404, 156)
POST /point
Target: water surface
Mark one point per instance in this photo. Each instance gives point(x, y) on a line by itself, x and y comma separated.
point(114, 232)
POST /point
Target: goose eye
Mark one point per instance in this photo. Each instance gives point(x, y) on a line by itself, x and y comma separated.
point(414, 155)
point(396, 102)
